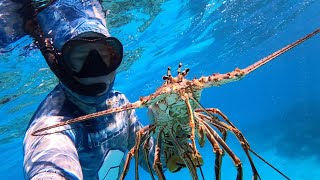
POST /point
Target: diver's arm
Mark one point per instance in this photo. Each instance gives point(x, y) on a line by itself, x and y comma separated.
point(52, 156)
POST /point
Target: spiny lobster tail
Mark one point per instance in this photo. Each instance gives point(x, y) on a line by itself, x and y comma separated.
point(237, 74)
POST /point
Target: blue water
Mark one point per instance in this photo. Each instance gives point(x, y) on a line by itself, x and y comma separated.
point(276, 107)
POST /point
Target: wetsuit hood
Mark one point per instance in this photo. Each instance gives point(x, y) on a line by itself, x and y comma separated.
point(77, 48)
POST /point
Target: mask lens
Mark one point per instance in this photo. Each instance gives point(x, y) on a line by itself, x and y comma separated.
point(92, 57)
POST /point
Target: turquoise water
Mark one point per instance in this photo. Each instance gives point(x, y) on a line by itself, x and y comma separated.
point(276, 107)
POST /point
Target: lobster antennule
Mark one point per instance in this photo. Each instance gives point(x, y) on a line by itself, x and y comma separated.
point(179, 68)
point(237, 74)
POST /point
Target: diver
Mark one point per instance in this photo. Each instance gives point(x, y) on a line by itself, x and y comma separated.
point(78, 48)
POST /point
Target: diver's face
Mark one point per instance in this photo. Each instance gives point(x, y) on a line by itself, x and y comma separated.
point(92, 61)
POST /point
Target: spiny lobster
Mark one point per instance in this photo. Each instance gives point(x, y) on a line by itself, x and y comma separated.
point(178, 118)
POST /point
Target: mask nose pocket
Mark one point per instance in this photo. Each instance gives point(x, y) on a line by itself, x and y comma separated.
point(93, 66)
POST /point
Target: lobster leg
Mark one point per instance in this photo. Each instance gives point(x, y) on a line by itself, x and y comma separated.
point(157, 165)
point(215, 136)
point(244, 143)
point(202, 109)
point(126, 164)
point(185, 156)
point(192, 126)
point(146, 156)
point(134, 151)
point(201, 134)
point(220, 125)
point(216, 149)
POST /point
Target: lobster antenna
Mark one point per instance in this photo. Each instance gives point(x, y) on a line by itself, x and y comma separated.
point(279, 52)
point(269, 164)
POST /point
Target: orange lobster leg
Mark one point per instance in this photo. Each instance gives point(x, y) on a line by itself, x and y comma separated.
point(157, 165)
point(213, 135)
point(134, 151)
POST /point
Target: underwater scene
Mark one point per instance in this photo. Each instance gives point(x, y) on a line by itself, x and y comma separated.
point(276, 107)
